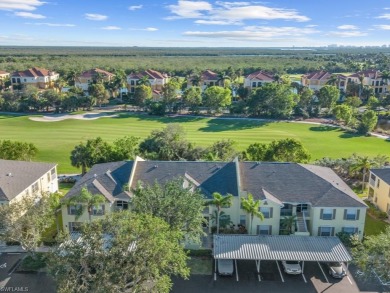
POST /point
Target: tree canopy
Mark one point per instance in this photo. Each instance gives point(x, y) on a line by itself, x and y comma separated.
point(121, 252)
point(17, 150)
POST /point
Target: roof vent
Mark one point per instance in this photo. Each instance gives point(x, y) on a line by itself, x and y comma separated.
point(9, 174)
point(95, 175)
point(155, 166)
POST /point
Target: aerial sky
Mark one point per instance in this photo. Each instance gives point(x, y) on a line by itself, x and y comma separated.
point(205, 23)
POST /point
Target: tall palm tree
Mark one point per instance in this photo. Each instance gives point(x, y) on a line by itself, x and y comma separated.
point(252, 207)
point(220, 201)
point(361, 78)
point(87, 201)
point(363, 164)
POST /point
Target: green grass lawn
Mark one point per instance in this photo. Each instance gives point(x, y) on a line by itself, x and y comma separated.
point(374, 226)
point(200, 265)
point(55, 140)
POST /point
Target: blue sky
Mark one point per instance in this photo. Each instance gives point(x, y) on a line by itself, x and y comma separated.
point(182, 23)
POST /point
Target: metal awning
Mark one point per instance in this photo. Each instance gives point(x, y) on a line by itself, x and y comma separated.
point(280, 247)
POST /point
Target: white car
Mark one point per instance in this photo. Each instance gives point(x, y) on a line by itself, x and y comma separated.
point(336, 270)
point(292, 267)
point(225, 267)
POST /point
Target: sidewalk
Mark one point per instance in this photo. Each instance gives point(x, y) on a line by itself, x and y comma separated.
point(19, 249)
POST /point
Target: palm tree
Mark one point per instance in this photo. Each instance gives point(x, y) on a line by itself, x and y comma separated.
point(144, 81)
point(87, 200)
point(252, 207)
point(220, 201)
point(288, 223)
point(361, 78)
point(363, 164)
point(79, 157)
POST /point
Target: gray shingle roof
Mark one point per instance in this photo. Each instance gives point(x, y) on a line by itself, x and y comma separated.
point(16, 176)
point(283, 182)
point(211, 176)
point(383, 173)
point(291, 182)
point(280, 247)
point(107, 179)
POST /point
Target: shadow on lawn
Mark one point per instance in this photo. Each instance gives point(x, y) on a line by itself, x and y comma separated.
point(165, 120)
point(323, 128)
point(218, 125)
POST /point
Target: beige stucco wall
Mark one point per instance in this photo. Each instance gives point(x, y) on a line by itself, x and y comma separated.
point(338, 223)
point(381, 194)
point(84, 218)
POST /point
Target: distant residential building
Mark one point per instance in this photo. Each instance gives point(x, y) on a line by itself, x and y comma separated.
point(257, 79)
point(87, 77)
point(39, 77)
point(19, 178)
point(156, 79)
point(372, 78)
point(379, 188)
point(204, 80)
point(316, 80)
point(3, 75)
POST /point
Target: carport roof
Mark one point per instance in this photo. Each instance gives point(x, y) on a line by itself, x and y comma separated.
point(280, 247)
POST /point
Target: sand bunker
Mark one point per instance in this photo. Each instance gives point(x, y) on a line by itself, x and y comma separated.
point(60, 117)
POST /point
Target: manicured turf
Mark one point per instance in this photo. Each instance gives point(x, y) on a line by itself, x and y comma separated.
point(55, 140)
point(374, 226)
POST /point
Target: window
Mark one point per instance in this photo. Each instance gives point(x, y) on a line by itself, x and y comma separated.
point(98, 210)
point(373, 177)
point(13, 80)
point(35, 187)
point(120, 204)
point(259, 84)
point(264, 229)
point(351, 214)
point(25, 80)
point(53, 173)
point(132, 90)
point(48, 177)
point(254, 84)
point(326, 231)
point(74, 227)
point(267, 212)
point(132, 82)
point(350, 230)
point(327, 214)
point(389, 193)
point(243, 220)
point(371, 192)
point(378, 183)
point(72, 209)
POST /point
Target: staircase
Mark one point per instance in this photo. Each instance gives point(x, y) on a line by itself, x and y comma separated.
point(301, 223)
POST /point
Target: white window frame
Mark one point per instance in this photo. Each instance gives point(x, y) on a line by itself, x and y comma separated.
point(348, 214)
point(73, 208)
point(98, 210)
point(243, 220)
point(326, 213)
point(73, 225)
point(35, 187)
point(328, 232)
point(261, 228)
point(121, 204)
point(266, 211)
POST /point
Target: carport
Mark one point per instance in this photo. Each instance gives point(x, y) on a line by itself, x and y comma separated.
point(278, 248)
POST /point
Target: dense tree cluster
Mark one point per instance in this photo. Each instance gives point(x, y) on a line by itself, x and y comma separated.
point(17, 150)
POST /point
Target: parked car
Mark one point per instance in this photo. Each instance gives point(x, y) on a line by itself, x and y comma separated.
point(336, 270)
point(292, 267)
point(225, 267)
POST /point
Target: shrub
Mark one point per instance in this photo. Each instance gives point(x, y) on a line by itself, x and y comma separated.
point(199, 252)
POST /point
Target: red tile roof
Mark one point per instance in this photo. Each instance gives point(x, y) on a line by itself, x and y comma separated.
point(94, 72)
point(318, 75)
point(209, 75)
point(371, 73)
point(151, 74)
point(3, 72)
point(261, 75)
point(33, 72)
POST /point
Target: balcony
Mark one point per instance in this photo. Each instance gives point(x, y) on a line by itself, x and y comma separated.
point(286, 212)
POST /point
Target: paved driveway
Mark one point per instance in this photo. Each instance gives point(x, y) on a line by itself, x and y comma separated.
point(314, 280)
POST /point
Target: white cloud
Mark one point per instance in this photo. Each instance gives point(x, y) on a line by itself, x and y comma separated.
point(52, 24)
point(383, 26)
point(256, 33)
point(384, 16)
point(231, 11)
point(217, 22)
point(20, 4)
point(29, 15)
point(148, 29)
point(189, 9)
point(97, 17)
point(135, 7)
point(348, 34)
point(347, 27)
point(111, 28)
